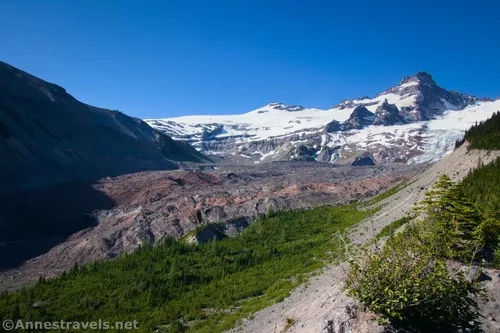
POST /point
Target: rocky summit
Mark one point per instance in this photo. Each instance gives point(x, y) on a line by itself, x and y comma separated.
point(412, 122)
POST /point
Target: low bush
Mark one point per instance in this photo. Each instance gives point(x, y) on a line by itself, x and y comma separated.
point(410, 285)
point(410, 282)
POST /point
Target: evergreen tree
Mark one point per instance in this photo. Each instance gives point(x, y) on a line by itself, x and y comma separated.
point(454, 219)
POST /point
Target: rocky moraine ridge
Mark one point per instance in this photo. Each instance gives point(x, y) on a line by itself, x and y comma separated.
point(414, 121)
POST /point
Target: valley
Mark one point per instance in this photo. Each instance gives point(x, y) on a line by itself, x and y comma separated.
point(250, 167)
point(282, 271)
point(128, 211)
point(237, 223)
point(322, 303)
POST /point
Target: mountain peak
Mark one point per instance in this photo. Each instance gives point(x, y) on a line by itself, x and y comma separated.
point(421, 77)
point(281, 106)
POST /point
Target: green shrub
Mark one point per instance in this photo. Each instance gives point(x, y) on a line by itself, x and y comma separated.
point(454, 221)
point(290, 321)
point(409, 285)
point(409, 282)
point(489, 231)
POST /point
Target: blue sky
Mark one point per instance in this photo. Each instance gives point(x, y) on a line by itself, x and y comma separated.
point(155, 59)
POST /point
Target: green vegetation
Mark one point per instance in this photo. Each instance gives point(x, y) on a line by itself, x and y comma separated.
point(389, 230)
point(289, 323)
point(485, 135)
point(176, 287)
point(482, 186)
point(453, 219)
point(409, 282)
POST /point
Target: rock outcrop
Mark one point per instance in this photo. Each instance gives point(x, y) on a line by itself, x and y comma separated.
point(388, 114)
point(431, 99)
point(363, 159)
point(358, 119)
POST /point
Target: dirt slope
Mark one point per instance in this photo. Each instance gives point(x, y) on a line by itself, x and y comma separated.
point(455, 165)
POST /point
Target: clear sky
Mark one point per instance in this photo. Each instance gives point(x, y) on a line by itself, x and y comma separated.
point(154, 59)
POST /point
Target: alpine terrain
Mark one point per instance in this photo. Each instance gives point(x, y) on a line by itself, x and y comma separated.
point(415, 121)
point(52, 147)
point(108, 217)
point(184, 204)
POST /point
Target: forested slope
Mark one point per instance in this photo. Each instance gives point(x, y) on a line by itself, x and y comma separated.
point(177, 287)
point(485, 135)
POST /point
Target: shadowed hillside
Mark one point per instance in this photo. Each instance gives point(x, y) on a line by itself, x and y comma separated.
point(52, 149)
point(47, 136)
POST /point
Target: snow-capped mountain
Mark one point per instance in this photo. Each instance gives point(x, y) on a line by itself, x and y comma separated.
point(414, 121)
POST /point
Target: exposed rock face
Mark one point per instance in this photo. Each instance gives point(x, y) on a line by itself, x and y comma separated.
point(431, 99)
point(490, 307)
point(359, 118)
point(291, 108)
point(332, 127)
point(364, 159)
point(388, 114)
point(302, 153)
point(207, 234)
point(48, 136)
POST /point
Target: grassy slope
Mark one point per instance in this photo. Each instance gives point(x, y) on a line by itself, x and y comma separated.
point(207, 287)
